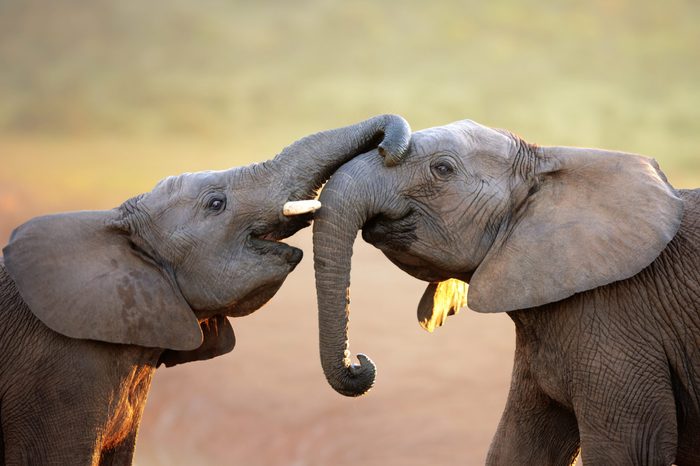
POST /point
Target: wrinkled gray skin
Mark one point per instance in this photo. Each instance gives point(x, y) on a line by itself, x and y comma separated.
point(92, 302)
point(593, 255)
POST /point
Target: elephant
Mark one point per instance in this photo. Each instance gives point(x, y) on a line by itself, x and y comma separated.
point(593, 255)
point(91, 303)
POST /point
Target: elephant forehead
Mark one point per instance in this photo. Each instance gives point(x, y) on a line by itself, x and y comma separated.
point(462, 137)
point(190, 184)
point(439, 139)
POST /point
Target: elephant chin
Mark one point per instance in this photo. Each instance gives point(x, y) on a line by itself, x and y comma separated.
point(422, 269)
point(252, 301)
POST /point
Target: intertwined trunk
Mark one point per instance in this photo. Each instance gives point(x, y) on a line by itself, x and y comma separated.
point(307, 163)
point(335, 228)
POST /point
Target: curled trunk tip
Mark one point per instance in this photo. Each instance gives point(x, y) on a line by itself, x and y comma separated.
point(354, 379)
point(397, 138)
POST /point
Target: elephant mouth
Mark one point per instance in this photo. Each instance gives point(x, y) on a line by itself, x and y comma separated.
point(396, 238)
point(279, 260)
point(270, 245)
point(266, 240)
point(391, 234)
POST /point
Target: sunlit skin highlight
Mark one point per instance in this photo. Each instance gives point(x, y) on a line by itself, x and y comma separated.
point(449, 298)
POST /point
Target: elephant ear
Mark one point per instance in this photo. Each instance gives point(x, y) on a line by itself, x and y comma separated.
point(218, 339)
point(594, 217)
point(81, 275)
point(439, 301)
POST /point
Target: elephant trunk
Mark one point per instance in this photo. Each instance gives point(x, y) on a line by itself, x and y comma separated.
point(335, 228)
point(308, 163)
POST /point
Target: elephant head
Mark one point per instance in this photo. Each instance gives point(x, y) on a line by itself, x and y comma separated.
point(198, 247)
point(523, 225)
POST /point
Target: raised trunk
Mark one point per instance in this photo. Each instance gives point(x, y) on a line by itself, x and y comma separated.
point(308, 163)
point(335, 228)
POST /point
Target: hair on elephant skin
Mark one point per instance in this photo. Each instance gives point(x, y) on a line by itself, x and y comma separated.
point(593, 255)
point(92, 302)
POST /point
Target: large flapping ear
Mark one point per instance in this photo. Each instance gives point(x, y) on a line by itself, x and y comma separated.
point(595, 217)
point(218, 339)
point(439, 301)
point(80, 275)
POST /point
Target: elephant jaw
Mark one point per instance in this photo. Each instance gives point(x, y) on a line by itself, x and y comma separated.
point(252, 301)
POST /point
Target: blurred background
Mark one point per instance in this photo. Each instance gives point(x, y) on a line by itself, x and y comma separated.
point(101, 99)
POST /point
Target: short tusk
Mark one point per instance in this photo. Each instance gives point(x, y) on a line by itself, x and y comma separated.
point(300, 207)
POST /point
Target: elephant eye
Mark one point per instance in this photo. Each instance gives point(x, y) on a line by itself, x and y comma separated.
point(442, 169)
point(216, 204)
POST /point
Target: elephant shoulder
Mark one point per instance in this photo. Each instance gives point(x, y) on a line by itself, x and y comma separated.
point(691, 215)
point(9, 295)
point(676, 272)
point(16, 318)
point(685, 246)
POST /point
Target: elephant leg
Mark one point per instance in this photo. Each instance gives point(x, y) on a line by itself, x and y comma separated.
point(126, 413)
point(51, 424)
point(50, 440)
point(534, 429)
point(2, 442)
point(643, 434)
point(121, 454)
point(628, 418)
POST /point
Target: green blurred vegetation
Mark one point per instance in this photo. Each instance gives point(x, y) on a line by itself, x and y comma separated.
point(611, 73)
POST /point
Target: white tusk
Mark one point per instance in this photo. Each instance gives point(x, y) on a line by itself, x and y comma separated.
point(300, 207)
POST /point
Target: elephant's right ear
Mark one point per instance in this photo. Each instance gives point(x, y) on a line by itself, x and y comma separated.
point(81, 275)
point(592, 218)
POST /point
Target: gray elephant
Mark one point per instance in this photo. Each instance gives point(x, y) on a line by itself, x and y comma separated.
point(592, 254)
point(92, 302)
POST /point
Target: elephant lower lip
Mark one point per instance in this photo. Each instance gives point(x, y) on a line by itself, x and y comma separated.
point(295, 256)
point(268, 246)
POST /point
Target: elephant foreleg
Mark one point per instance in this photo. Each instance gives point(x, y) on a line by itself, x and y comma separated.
point(121, 454)
point(534, 429)
point(2, 442)
point(640, 431)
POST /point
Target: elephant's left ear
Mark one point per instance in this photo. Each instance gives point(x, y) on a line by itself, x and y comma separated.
point(439, 301)
point(82, 276)
point(592, 218)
